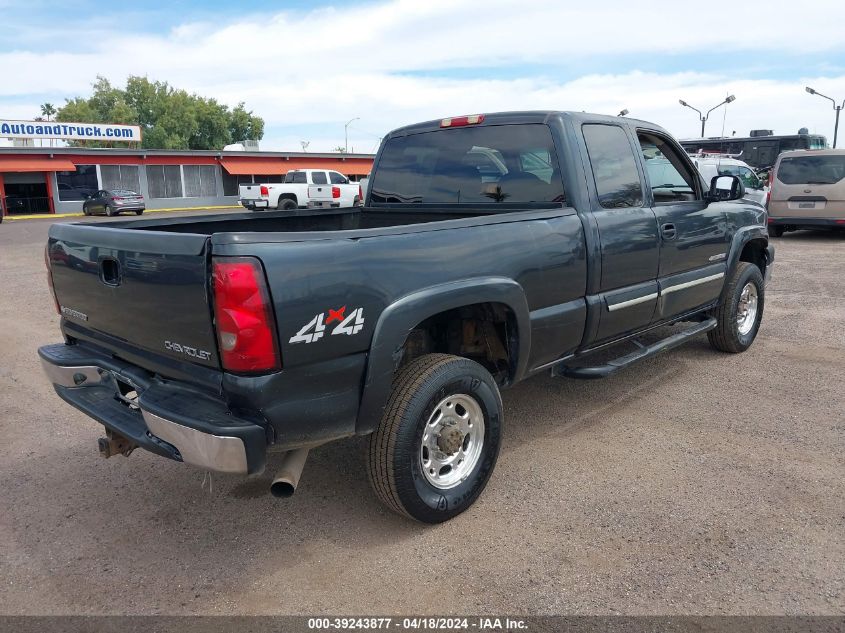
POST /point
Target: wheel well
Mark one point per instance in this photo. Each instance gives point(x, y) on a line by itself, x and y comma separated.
point(483, 332)
point(754, 252)
point(288, 196)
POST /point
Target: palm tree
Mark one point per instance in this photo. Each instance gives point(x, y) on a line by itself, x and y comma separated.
point(48, 110)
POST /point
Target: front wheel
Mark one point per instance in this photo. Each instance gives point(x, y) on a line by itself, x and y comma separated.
point(740, 310)
point(139, 212)
point(438, 440)
point(775, 231)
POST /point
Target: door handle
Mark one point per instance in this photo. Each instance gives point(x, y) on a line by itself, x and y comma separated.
point(668, 231)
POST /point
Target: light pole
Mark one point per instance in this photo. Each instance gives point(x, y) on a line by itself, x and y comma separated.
point(838, 109)
point(703, 117)
point(346, 133)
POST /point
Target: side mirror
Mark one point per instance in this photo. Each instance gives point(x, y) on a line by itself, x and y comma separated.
point(724, 188)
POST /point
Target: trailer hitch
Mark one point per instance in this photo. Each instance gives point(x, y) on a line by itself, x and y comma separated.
point(115, 444)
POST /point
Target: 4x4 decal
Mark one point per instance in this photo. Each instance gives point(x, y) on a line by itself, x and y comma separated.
point(313, 330)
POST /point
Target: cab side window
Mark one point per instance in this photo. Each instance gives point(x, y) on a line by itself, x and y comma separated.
point(670, 177)
point(614, 166)
point(338, 179)
point(319, 177)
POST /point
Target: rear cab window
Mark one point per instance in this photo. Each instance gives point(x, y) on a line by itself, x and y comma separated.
point(811, 170)
point(480, 165)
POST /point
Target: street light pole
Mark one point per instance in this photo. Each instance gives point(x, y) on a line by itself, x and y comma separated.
point(346, 133)
point(703, 117)
point(837, 108)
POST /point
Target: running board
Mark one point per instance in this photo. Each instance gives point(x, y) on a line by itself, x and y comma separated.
point(611, 367)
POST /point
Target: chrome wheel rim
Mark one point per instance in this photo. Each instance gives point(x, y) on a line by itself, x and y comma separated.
point(746, 312)
point(452, 441)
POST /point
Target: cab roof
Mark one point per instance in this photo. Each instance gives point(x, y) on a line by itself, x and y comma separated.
point(529, 116)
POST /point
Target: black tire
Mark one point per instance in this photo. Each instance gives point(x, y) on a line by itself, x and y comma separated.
point(110, 211)
point(286, 204)
point(728, 337)
point(85, 210)
point(139, 212)
point(394, 460)
point(775, 231)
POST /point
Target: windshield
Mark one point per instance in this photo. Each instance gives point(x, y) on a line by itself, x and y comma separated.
point(473, 165)
point(821, 170)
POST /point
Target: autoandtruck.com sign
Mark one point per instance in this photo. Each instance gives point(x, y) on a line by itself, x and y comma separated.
point(69, 131)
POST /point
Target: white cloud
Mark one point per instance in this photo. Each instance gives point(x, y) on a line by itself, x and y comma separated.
point(325, 66)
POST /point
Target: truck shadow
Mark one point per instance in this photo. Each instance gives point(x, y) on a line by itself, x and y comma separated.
point(84, 525)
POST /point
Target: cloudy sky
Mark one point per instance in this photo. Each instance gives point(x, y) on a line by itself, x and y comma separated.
point(308, 67)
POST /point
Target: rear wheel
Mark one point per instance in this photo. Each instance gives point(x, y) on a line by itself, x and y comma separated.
point(775, 231)
point(740, 310)
point(437, 443)
point(139, 212)
point(286, 204)
point(110, 210)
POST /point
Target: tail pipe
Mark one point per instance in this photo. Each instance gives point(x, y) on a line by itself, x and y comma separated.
point(287, 478)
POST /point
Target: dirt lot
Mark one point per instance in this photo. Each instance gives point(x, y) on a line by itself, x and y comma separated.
point(695, 482)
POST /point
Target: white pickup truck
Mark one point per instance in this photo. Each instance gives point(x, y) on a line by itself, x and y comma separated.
point(302, 188)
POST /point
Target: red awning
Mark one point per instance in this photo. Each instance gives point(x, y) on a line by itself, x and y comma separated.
point(249, 166)
point(35, 163)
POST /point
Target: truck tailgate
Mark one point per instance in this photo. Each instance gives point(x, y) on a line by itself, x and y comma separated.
point(147, 288)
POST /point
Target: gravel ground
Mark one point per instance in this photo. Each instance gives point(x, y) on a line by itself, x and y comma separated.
point(693, 483)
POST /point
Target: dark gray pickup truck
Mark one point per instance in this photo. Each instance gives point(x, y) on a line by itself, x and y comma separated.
point(491, 248)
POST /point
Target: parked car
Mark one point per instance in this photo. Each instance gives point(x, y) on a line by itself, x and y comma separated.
point(713, 165)
point(808, 191)
point(114, 202)
point(404, 319)
point(300, 188)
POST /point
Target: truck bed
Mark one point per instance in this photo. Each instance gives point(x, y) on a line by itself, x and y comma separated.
point(345, 219)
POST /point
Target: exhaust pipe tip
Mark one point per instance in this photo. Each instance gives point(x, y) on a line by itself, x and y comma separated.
point(287, 478)
point(282, 489)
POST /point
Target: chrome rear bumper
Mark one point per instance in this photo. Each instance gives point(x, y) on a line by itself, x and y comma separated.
point(96, 390)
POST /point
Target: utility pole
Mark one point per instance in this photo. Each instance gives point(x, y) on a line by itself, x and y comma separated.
point(346, 133)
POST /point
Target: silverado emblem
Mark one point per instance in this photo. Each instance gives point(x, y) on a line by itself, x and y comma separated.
point(74, 314)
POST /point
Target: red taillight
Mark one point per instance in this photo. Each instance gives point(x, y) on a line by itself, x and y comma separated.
point(265, 192)
point(768, 197)
point(246, 332)
point(50, 278)
point(116, 198)
point(460, 121)
point(840, 221)
point(360, 193)
point(335, 192)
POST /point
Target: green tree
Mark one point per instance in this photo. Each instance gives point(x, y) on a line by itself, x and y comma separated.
point(170, 118)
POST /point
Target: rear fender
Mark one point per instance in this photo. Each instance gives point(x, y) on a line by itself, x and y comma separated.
point(400, 317)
